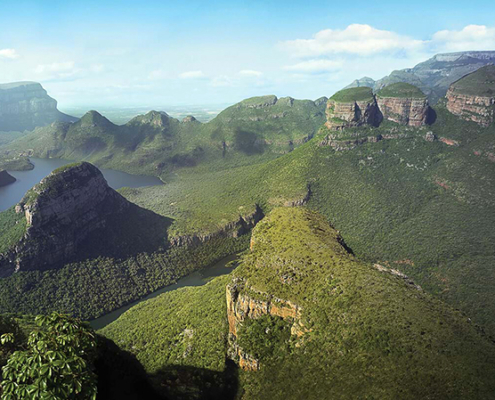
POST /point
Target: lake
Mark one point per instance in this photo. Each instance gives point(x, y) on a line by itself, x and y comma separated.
point(198, 278)
point(13, 193)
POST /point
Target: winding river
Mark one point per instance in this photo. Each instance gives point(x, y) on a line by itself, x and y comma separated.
point(198, 278)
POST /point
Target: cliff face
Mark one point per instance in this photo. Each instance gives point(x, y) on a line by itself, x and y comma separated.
point(479, 109)
point(62, 211)
point(405, 111)
point(244, 302)
point(473, 97)
point(342, 115)
point(26, 105)
point(6, 178)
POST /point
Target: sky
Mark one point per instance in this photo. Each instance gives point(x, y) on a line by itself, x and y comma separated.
point(121, 53)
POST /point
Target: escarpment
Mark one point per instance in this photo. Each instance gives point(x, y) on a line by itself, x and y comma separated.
point(357, 106)
point(63, 210)
point(351, 108)
point(26, 105)
point(472, 97)
point(404, 104)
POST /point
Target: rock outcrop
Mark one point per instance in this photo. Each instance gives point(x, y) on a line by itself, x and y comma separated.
point(473, 97)
point(401, 103)
point(351, 108)
point(404, 104)
point(61, 212)
point(6, 178)
point(26, 105)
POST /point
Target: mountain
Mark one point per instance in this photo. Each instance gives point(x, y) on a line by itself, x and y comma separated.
point(364, 81)
point(435, 75)
point(401, 103)
point(64, 216)
point(26, 105)
point(473, 96)
point(259, 128)
point(307, 319)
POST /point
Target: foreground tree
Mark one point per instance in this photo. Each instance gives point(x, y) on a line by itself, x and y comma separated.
point(57, 363)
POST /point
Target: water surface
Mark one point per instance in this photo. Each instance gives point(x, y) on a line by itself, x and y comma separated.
point(198, 278)
point(13, 193)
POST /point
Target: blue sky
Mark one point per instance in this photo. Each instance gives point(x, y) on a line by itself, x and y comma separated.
point(153, 53)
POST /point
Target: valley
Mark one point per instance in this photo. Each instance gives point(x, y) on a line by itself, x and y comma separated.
point(222, 258)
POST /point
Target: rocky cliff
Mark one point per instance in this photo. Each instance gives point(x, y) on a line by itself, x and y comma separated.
point(404, 104)
point(352, 107)
point(26, 105)
point(473, 97)
point(63, 210)
point(400, 102)
point(6, 178)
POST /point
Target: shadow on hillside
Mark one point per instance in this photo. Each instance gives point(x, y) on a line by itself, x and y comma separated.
point(431, 117)
point(188, 383)
point(121, 376)
point(137, 230)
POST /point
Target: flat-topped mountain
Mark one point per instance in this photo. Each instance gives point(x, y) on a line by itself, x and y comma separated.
point(435, 75)
point(404, 104)
point(26, 105)
point(473, 97)
point(57, 219)
point(351, 108)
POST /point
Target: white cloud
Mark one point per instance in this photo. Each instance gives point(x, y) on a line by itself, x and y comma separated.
point(471, 37)
point(9, 54)
point(192, 75)
point(221, 80)
point(355, 39)
point(250, 72)
point(315, 66)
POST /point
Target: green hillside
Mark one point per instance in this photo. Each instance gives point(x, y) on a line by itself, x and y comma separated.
point(401, 90)
point(254, 130)
point(362, 93)
point(366, 330)
point(479, 83)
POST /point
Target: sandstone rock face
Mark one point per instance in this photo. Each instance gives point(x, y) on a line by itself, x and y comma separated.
point(405, 111)
point(341, 115)
point(479, 109)
point(61, 212)
point(241, 306)
point(26, 105)
point(6, 178)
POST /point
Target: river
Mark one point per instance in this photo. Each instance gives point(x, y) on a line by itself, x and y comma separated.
point(198, 278)
point(13, 193)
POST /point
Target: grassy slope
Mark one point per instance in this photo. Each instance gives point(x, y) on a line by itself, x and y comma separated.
point(369, 330)
point(13, 228)
point(372, 335)
point(480, 83)
point(401, 89)
point(362, 93)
